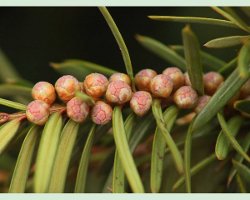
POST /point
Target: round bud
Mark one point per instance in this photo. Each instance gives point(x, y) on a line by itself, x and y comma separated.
point(95, 85)
point(120, 77)
point(161, 86)
point(143, 78)
point(185, 97)
point(141, 102)
point(212, 81)
point(118, 92)
point(77, 109)
point(245, 89)
point(202, 102)
point(66, 87)
point(101, 113)
point(37, 112)
point(176, 75)
point(44, 91)
point(187, 79)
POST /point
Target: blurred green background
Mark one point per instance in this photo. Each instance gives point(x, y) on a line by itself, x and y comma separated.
point(33, 37)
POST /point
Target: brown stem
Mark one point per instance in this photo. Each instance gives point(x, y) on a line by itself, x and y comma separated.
point(57, 108)
point(20, 115)
point(4, 117)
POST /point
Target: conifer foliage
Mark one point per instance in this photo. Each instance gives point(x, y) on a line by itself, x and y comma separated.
point(184, 129)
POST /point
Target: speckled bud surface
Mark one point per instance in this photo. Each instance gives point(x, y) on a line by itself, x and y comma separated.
point(143, 79)
point(118, 92)
point(202, 102)
point(44, 91)
point(77, 110)
point(185, 97)
point(66, 87)
point(176, 75)
point(101, 113)
point(120, 77)
point(95, 85)
point(212, 81)
point(161, 86)
point(141, 102)
point(37, 112)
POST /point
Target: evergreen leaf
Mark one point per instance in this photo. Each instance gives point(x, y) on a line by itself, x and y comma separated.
point(14, 90)
point(23, 164)
point(244, 60)
point(86, 98)
point(193, 59)
point(228, 67)
point(7, 132)
point(118, 184)
point(12, 104)
point(232, 12)
point(242, 106)
point(229, 88)
point(227, 41)
point(157, 112)
point(194, 170)
point(162, 50)
point(242, 169)
point(236, 20)
point(238, 157)
point(80, 68)
point(63, 156)
point(241, 184)
point(46, 152)
point(120, 42)
point(143, 126)
point(198, 20)
point(159, 149)
point(84, 162)
point(209, 61)
point(230, 137)
point(187, 158)
point(222, 144)
point(124, 152)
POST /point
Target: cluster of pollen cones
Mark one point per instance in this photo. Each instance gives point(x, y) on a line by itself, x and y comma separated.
point(172, 86)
